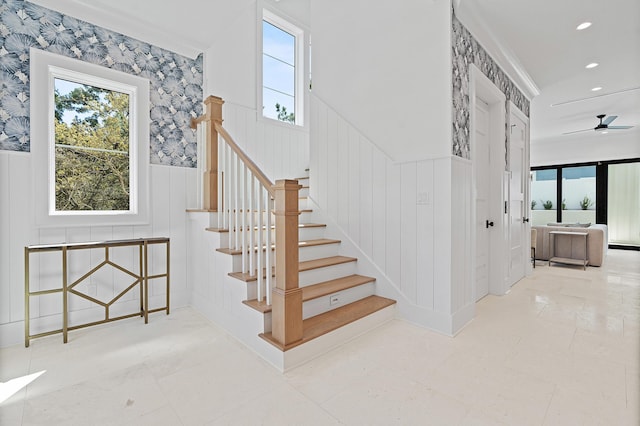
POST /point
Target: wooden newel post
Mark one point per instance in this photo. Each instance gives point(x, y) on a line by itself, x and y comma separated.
point(286, 300)
point(213, 115)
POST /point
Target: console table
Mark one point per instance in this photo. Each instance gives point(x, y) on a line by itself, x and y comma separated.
point(140, 278)
point(553, 237)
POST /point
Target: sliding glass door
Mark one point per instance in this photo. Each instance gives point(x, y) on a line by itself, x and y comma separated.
point(607, 192)
point(579, 194)
point(544, 185)
point(623, 209)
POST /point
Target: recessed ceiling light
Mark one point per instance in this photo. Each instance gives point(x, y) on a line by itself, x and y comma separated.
point(595, 89)
point(592, 65)
point(583, 26)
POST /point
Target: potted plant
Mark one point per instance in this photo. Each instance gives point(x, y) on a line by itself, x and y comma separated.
point(586, 203)
point(548, 205)
point(533, 204)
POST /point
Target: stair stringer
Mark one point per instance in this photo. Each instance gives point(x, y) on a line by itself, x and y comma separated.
point(385, 287)
point(218, 297)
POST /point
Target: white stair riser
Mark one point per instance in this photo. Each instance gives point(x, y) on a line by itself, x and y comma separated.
point(310, 233)
point(318, 252)
point(314, 307)
point(304, 254)
point(315, 276)
point(304, 192)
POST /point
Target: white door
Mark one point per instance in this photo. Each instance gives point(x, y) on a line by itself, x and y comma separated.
point(518, 228)
point(482, 173)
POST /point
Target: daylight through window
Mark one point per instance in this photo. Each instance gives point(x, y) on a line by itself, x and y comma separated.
point(281, 96)
point(92, 148)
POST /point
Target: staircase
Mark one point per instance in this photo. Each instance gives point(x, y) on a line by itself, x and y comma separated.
point(334, 295)
point(275, 282)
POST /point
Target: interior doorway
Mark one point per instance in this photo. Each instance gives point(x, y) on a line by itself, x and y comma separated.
point(488, 121)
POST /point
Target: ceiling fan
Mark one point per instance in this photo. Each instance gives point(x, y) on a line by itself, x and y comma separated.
point(603, 126)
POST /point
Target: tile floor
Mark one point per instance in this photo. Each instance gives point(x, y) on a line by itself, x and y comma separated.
point(562, 348)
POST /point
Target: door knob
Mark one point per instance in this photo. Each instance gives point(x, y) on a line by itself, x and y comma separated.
point(489, 223)
point(525, 219)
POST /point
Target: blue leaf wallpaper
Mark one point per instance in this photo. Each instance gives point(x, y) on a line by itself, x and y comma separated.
point(175, 80)
point(465, 51)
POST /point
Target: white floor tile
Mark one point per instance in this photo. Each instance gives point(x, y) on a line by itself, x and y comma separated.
point(562, 348)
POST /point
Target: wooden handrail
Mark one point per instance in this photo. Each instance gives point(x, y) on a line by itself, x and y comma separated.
point(236, 210)
point(259, 174)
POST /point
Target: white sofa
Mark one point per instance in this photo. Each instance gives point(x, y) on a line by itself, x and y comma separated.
point(597, 242)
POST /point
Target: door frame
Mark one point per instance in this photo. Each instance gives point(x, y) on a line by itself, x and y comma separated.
point(481, 87)
point(526, 171)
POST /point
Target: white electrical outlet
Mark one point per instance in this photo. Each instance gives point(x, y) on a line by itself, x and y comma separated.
point(423, 198)
point(334, 299)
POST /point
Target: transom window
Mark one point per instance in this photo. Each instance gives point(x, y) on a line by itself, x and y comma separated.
point(282, 78)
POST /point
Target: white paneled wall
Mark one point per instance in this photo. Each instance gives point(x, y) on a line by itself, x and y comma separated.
point(171, 193)
point(409, 222)
point(281, 150)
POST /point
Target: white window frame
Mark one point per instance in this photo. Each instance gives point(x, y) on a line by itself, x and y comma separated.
point(45, 68)
point(301, 59)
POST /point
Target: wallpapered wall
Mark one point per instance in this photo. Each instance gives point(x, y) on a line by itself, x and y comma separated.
point(176, 81)
point(465, 51)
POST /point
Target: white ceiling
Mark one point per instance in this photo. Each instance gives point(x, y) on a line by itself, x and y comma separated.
point(539, 37)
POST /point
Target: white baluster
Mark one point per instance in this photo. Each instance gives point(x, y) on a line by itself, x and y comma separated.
point(269, 252)
point(227, 187)
point(233, 198)
point(236, 193)
point(252, 224)
point(221, 204)
point(261, 281)
point(246, 250)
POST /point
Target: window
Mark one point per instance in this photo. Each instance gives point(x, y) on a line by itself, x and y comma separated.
point(282, 70)
point(91, 159)
point(90, 146)
point(606, 192)
point(543, 196)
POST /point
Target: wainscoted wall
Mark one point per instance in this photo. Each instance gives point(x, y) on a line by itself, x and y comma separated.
point(281, 150)
point(176, 95)
point(176, 81)
point(396, 218)
point(466, 50)
point(172, 192)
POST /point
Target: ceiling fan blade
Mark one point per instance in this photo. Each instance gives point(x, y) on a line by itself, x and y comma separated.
point(620, 127)
point(609, 119)
point(577, 131)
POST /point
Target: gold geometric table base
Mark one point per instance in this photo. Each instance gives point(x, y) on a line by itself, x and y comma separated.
point(141, 279)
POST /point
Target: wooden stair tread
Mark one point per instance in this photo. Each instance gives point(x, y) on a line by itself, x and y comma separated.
point(300, 226)
point(327, 322)
point(318, 290)
point(303, 266)
point(307, 243)
point(308, 265)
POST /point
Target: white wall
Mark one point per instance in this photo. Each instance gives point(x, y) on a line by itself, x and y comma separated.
point(231, 63)
point(281, 150)
point(171, 194)
point(586, 147)
point(385, 68)
point(397, 217)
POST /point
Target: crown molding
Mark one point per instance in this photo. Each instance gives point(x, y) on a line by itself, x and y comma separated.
point(471, 17)
point(110, 18)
